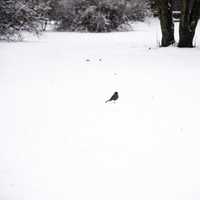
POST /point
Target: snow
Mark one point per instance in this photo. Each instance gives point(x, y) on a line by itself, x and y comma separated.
point(58, 138)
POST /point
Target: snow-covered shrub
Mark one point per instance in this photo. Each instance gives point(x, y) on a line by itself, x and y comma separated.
point(100, 15)
point(55, 11)
point(137, 10)
point(21, 15)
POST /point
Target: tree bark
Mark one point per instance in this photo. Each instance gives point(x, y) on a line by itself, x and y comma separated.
point(189, 19)
point(166, 22)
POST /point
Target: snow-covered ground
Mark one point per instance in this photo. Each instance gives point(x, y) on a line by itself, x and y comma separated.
point(60, 141)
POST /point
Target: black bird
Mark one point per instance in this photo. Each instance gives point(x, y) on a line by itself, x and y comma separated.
point(114, 97)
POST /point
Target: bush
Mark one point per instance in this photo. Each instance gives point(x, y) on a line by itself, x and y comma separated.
point(100, 15)
point(55, 10)
point(17, 16)
point(138, 10)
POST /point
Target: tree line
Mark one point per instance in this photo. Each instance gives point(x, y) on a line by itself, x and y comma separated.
point(71, 15)
point(17, 16)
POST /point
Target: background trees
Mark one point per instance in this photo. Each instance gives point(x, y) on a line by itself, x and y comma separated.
point(97, 16)
point(100, 15)
point(17, 16)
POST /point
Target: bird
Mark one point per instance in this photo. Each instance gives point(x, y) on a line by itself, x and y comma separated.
point(114, 97)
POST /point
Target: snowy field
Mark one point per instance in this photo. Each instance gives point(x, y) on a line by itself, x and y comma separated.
point(60, 141)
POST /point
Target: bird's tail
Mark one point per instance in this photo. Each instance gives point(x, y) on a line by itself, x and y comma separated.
point(107, 101)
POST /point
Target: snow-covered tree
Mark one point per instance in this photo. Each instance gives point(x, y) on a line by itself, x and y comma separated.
point(101, 15)
point(17, 16)
point(137, 10)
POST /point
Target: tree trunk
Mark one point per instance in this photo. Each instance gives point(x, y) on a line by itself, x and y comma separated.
point(166, 22)
point(189, 19)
